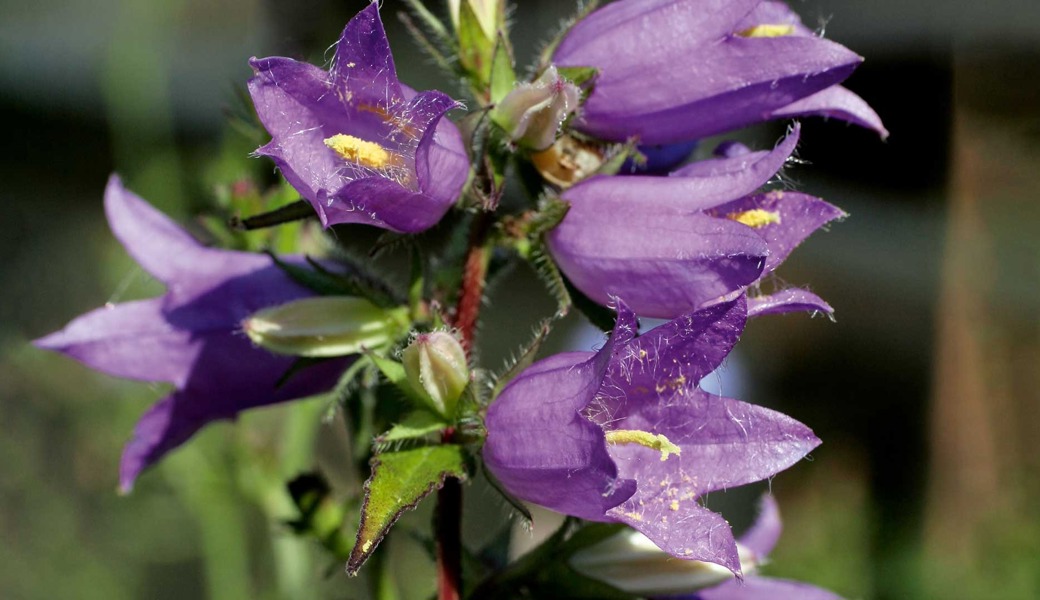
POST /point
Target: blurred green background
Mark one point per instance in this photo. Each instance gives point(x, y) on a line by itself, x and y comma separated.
point(925, 390)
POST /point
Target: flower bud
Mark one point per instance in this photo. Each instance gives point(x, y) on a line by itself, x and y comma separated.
point(632, 563)
point(488, 12)
point(532, 113)
point(435, 364)
point(325, 326)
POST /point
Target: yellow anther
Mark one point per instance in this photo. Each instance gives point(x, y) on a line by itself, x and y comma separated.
point(755, 218)
point(367, 154)
point(767, 30)
point(644, 438)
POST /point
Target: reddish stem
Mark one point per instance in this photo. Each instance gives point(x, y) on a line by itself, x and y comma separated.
point(449, 540)
point(448, 517)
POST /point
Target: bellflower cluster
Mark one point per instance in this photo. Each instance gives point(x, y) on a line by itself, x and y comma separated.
point(623, 435)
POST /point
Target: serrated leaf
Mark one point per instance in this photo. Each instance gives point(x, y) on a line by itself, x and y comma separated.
point(554, 281)
point(416, 424)
point(551, 212)
point(399, 481)
point(524, 360)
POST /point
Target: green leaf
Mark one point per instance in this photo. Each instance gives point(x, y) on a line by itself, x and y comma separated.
point(551, 212)
point(503, 77)
point(355, 282)
point(554, 281)
point(399, 481)
point(475, 49)
point(579, 76)
point(416, 424)
point(394, 373)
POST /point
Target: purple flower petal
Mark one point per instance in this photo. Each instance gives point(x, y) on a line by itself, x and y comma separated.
point(662, 264)
point(646, 239)
point(190, 336)
point(838, 103)
point(411, 164)
point(677, 70)
point(785, 301)
point(795, 216)
point(764, 533)
point(541, 447)
point(765, 588)
point(695, 533)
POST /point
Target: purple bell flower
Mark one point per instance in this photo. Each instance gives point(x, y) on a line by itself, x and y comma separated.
point(625, 434)
point(189, 337)
point(679, 70)
point(359, 145)
point(671, 244)
point(760, 540)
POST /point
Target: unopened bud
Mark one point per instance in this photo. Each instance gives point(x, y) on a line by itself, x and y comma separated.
point(488, 12)
point(435, 364)
point(325, 326)
point(632, 563)
point(532, 113)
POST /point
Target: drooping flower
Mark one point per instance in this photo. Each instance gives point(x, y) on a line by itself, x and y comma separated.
point(759, 541)
point(189, 337)
point(677, 70)
point(631, 562)
point(671, 244)
point(626, 434)
point(359, 145)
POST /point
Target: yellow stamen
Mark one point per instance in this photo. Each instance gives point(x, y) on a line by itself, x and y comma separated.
point(755, 218)
point(368, 154)
point(767, 30)
point(644, 438)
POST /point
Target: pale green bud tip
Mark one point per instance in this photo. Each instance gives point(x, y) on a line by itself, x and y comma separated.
point(631, 562)
point(532, 113)
point(325, 326)
point(435, 364)
point(488, 12)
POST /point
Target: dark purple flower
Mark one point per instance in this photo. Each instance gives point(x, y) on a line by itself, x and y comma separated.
point(354, 141)
point(677, 70)
point(671, 244)
point(626, 434)
point(189, 337)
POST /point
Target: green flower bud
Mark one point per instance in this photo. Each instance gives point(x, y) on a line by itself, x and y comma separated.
point(489, 14)
point(532, 113)
point(632, 563)
point(435, 364)
point(325, 326)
